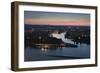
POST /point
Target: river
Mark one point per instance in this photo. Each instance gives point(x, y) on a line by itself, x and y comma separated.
point(36, 54)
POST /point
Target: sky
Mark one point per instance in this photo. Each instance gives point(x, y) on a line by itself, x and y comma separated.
point(56, 18)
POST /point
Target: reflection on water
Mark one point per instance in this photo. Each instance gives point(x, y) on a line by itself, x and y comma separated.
point(44, 49)
point(37, 54)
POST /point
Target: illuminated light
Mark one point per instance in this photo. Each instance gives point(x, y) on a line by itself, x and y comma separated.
point(39, 37)
point(45, 46)
point(45, 50)
point(78, 37)
point(62, 45)
point(42, 49)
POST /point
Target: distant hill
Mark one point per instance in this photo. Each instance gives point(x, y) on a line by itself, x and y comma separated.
point(53, 27)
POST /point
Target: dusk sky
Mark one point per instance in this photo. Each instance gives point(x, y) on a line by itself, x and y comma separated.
point(56, 18)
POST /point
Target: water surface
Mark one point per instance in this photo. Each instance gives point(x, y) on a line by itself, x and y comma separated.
point(36, 54)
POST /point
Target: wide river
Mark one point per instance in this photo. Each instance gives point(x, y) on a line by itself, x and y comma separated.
point(36, 54)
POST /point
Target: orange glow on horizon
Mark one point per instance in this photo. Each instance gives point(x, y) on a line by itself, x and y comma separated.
point(64, 22)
